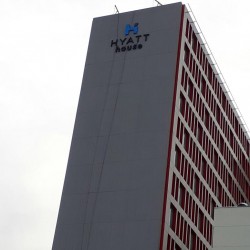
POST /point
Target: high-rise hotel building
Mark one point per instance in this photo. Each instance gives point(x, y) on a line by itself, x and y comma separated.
point(157, 142)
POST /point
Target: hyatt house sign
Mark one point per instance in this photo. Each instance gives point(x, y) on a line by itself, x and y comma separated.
point(128, 43)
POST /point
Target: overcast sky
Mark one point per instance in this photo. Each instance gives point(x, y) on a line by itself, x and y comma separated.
point(43, 47)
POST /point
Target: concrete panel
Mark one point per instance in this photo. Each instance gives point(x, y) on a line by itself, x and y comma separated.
point(82, 150)
point(159, 69)
point(78, 179)
point(98, 94)
point(115, 236)
point(101, 149)
point(130, 205)
point(68, 236)
point(232, 228)
point(132, 175)
point(97, 74)
point(117, 72)
point(108, 117)
point(100, 235)
point(89, 123)
point(232, 236)
point(134, 146)
point(238, 216)
point(96, 177)
point(72, 210)
point(136, 105)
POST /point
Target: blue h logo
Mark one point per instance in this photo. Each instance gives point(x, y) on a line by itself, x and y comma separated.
point(130, 28)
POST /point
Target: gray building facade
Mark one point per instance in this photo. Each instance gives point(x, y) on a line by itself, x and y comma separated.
point(114, 190)
point(157, 142)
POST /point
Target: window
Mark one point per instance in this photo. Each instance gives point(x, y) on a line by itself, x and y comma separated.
point(203, 168)
point(213, 204)
point(194, 42)
point(221, 144)
point(196, 185)
point(203, 86)
point(187, 28)
point(181, 195)
point(172, 217)
point(182, 104)
point(177, 157)
point(190, 90)
point(199, 134)
point(219, 192)
point(210, 73)
point(186, 55)
point(192, 240)
point(201, 221)
point(177, 247)
point(186, 140)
